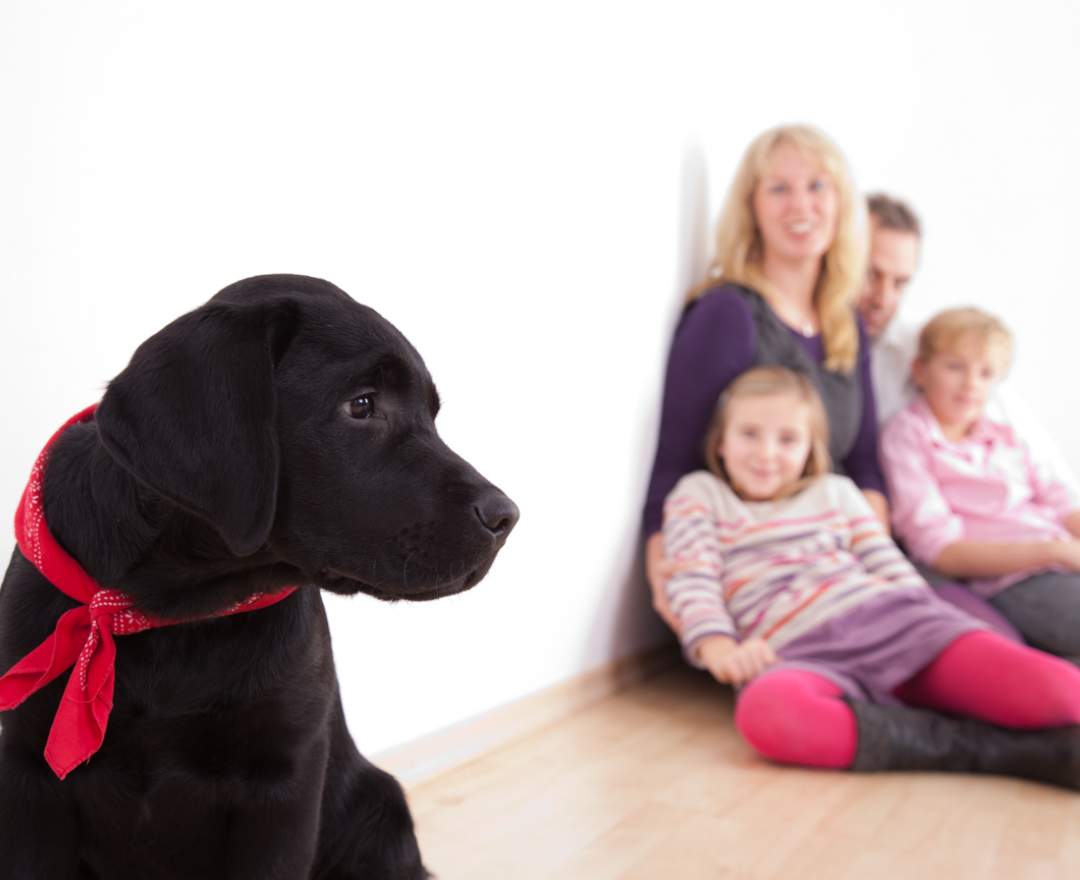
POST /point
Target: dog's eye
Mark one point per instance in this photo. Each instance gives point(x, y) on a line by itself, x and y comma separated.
point(362, 407)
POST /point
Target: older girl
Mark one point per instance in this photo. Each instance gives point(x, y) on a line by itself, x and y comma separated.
point(970, 500)
point(788, 585)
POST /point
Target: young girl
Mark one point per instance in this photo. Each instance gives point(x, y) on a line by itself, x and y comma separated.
point(967, 498)
point(789, 587)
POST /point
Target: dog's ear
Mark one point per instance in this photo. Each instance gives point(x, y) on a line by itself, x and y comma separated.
point(193, 416)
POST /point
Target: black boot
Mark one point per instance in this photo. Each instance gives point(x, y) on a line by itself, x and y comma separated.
point(904, 738)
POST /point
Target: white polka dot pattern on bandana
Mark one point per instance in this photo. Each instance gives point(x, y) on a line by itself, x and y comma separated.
point(35, 510)
point(79, 726)
point(113, 611)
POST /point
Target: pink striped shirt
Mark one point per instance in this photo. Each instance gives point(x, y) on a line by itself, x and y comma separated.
point(774, 569)
point(985, 487)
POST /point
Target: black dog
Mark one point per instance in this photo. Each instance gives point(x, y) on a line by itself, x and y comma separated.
point(282, 434)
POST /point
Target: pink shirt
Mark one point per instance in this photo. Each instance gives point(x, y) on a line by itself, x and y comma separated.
point(985, 487)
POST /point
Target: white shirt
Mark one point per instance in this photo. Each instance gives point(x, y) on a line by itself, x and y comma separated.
point(891, 356)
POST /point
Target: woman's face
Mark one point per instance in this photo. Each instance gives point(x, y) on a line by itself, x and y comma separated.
point(795, 206)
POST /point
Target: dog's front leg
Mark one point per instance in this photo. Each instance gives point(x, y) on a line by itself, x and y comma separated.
point(367, 828)
point(273, 841)
point(38, 825)
point(273, 833)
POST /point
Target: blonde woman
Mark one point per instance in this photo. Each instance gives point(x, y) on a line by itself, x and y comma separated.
point(789, 262)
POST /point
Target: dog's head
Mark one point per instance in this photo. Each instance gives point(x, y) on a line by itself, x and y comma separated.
point(299, 423)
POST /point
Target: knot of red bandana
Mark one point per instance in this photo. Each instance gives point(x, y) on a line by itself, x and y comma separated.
point(111, 612)
point(83, 636)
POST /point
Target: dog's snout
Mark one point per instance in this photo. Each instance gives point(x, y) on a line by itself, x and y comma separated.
point(497, 513)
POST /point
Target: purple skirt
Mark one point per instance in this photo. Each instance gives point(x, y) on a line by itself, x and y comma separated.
point(878, 645)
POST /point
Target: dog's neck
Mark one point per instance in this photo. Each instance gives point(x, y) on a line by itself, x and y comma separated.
point(131, 538)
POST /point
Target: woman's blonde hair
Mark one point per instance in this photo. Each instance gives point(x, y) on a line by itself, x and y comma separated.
point(739, 253)
point(765, 382)
point(946, 329)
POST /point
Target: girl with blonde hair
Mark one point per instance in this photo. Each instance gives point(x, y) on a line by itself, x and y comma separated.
point(788, 263)
point(971, 501)
point(789, 587)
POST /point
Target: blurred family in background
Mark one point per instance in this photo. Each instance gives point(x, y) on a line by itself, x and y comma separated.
point(847, 519)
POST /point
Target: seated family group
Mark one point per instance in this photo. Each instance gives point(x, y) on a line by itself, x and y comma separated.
point(775, 500)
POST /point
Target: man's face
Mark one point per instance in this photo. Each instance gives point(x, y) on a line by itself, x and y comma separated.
point(894, 256)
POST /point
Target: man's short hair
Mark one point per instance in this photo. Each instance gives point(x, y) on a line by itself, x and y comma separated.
point(890, 213)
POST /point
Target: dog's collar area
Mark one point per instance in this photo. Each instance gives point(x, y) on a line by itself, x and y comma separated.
point(83, 637)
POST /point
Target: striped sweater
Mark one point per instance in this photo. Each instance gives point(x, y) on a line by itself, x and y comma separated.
point(774, 569)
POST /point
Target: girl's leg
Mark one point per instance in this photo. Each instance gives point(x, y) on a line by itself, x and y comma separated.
point(1046, 609)
point(984, 675)
point(797, 717)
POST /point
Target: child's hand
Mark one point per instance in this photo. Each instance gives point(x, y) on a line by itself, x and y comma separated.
point(1071, 521)
point(1067, 554)
point(732, 663)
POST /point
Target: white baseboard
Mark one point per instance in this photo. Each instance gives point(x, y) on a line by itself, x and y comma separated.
point(452, 746)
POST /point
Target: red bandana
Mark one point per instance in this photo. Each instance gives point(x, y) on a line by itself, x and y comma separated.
point(83, 637)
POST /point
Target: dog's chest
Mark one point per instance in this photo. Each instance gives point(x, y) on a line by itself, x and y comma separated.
point(171, 826)
point(169, 781)
point(218, 706)
point(212, 707)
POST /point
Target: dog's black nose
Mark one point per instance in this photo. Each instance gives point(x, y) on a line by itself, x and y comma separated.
point(497, 512)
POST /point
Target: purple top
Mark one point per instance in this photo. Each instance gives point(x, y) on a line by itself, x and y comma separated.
point(716, 341)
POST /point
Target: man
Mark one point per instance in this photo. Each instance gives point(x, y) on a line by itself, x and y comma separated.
point(895, 239)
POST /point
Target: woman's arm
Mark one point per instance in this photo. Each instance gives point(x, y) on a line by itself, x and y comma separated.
point(715, 341)
point(658, 571)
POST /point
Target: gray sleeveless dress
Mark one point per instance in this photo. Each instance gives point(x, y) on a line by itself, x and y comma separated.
point(842, 393)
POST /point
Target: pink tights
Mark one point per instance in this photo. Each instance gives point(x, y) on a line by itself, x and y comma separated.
point(798, 717)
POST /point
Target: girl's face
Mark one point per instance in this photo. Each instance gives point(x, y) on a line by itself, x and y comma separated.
point(765, 444)
point(795, 205)
point(956, 383)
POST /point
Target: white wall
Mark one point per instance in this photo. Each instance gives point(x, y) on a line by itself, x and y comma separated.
point(523, 190)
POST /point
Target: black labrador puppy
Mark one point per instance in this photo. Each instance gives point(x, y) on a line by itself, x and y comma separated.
point(280, 435)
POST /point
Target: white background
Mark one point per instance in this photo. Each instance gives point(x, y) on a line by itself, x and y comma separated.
point(525, 191)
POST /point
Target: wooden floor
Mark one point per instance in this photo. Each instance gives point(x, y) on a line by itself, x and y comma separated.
point(654, 784)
